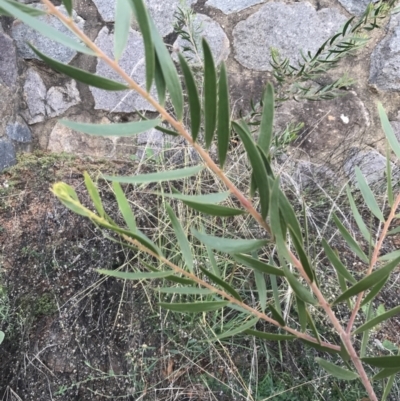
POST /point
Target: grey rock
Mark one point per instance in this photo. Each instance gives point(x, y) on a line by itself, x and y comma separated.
point(6, 107)
point(131, 61)
point(356, 7)
point(8, 61)
point(307, 174)
point(385, 59)
point(7, 154)
point(19, 131)
point(331, 128)
point(35, 96)
point(23, 34)
point(216, 38)
point(371, 163)
point(288, 28)
point(60, 98)
point(44, 104)
point(162, 12)
point(229, 6)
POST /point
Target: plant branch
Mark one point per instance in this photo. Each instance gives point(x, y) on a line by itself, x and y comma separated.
point(245, 202)
point(374, 259)
point(228, 297)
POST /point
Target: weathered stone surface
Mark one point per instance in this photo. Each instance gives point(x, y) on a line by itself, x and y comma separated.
point(42, 103)
point(8, 61)
point(63, 139)
point(385, 59)
point(331, 128)
point(356, 7)
point(6, 107)
point(35, 96)
point(287, 27)
point(216, 38)
point(162, 12)
point(371, 163)
point(305, 174)
point(18, 131)
point(7, 154)
point(23, 34)
point(59, 99)
point(229, 6)
point(131, 61)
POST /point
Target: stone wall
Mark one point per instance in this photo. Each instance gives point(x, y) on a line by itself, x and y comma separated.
point(341, 132)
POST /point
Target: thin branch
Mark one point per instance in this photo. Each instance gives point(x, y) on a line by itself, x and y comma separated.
point(245, 202)
point(373, 261)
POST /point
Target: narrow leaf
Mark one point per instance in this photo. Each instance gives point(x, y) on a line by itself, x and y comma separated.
point(168, 69)
point(122, 25)
point(389, 178)
point(375, 290)
point(336, 263)
point(229, 245)
point(378, 319)
point(214, 210)
point(259, 171)
point(68, 6)
point(134, 276)
point(143, 20)
point(243, 328)
point(221, 283)
point(124, 207)
point(161, 85)
point(34, 12)
point(302, 255)
point(357, 217)
point(181, 237)
point(390, 362)
point(313, 327)
point(1, 336)
point(384, 373)
point(210, 94)
point(290, 216)
point(45, 29)
point(267, 120)
point(388, 129)
point(390, 256)
point(156, 177)
point(174, 279)
point(193, 95)
point(270, 336)
point(122, 130)
point(223, 128)
point(81, 75)
point(369, 281)
point(207, 199)
point(303, 315)
point(277, 316)
point(319, 347)
point(350, 240)
point(184, 290)
point(261, 289)
point(336, 371)
point(193, 307)
point(368, 196)
point(257, 265)
point(94, 194)
point(298, 288)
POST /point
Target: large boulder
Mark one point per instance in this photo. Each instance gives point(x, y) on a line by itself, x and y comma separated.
point(286, 27)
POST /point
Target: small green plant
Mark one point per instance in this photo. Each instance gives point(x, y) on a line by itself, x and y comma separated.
point(190, 285)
